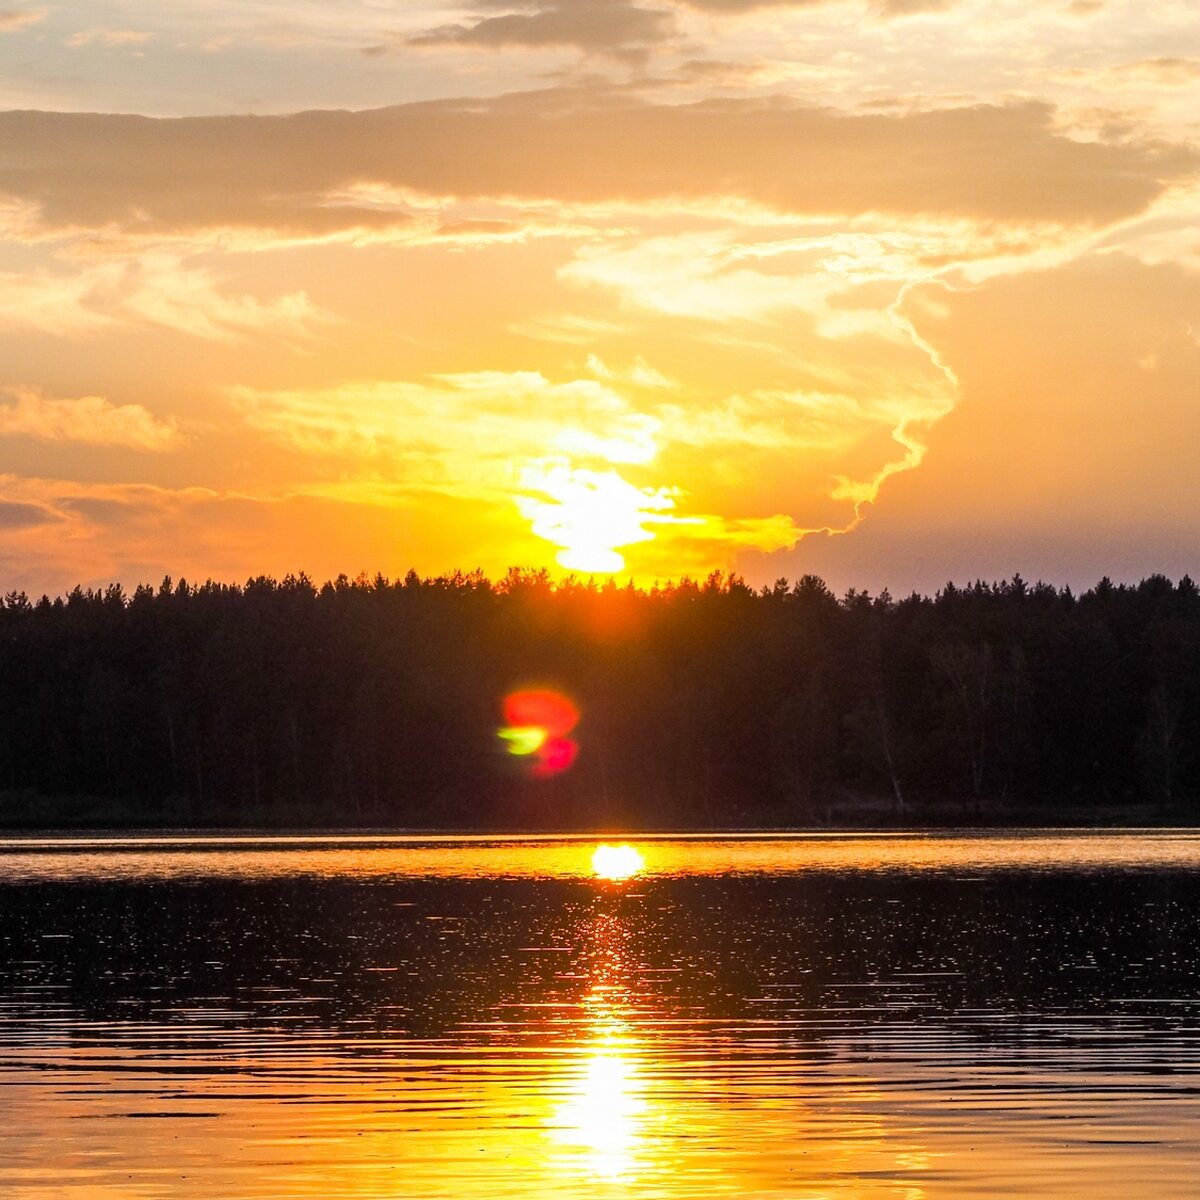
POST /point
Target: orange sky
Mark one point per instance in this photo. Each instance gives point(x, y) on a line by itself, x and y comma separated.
point(895, 291)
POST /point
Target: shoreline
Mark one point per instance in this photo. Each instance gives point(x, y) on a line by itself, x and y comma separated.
point(1054, 824)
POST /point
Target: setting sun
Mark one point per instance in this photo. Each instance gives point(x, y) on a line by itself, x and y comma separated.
point(589, 514)
point(617, 862)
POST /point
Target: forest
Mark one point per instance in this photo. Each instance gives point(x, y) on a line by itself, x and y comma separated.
point(376, 703)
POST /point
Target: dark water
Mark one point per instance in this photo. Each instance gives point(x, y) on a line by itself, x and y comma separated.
point(888, 1017)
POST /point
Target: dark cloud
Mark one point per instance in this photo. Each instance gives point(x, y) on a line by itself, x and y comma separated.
point(17, 515)
point(136, 174)
point(616, 27)
point(98, 508)
point(611, 26)
point(734, 6)
point(594, 26)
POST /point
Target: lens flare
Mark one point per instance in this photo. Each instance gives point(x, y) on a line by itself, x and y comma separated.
point(541, 708)
point(537, 721)
point(617, 862)
point(556, 754)
point(523, 739)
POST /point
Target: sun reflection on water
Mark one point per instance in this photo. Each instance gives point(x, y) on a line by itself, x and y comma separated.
point(602, 1119)
point(603, 1113)
point(617, 862)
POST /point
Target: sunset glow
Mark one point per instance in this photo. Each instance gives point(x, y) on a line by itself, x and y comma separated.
point(885, 291)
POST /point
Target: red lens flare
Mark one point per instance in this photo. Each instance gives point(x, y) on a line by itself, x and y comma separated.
point(556, 754)
point(546, 710)
point(537, 721)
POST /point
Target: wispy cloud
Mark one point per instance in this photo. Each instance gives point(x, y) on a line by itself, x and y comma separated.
point(161, 289)
point(91, 420)
point(12, 19)
point(112, 39)
point(467, 427)
point(1171, 71)
point(49, 302)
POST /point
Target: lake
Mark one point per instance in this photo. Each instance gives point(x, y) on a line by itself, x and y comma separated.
point(847, 1017)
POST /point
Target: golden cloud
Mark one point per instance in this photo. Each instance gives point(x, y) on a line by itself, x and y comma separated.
point(159, 289)
point(92, 420)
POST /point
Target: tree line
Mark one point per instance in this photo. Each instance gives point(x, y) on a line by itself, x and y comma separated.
point(376, 702)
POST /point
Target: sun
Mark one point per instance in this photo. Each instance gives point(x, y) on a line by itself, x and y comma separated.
point(617, 862)
point(590, 514)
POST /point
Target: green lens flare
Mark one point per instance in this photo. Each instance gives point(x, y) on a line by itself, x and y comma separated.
point(523, 739)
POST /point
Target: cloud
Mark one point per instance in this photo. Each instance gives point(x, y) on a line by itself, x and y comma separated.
point(593, 26)
point(568, 329)
point(90, 419)
point(844, 279)
point(150, 289)
point(780, 421)
point(466, 429)
point(617, 27)
point(735, 6)
point(16, 515)
point(909, 8)
point(696, 276)
point(614, 25)
point(640, 374)
point(111, 38)
point(12, 19)
point(165, 291)
point(135, 175)
point(49, 302)
point(1168, 71)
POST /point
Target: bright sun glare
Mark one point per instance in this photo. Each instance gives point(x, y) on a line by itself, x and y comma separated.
point(617, 862)
point(589, 514)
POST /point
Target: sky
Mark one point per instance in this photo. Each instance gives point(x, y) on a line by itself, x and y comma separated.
point(891, 291)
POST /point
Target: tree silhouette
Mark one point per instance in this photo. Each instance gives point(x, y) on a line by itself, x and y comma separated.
point(376, 702)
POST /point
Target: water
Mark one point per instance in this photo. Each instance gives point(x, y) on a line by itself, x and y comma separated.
point(893, 1017)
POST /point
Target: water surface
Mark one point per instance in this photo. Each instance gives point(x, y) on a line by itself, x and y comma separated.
point(874, 1016)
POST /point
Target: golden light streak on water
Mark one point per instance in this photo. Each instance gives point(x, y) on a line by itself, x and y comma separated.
point(603, 1113)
